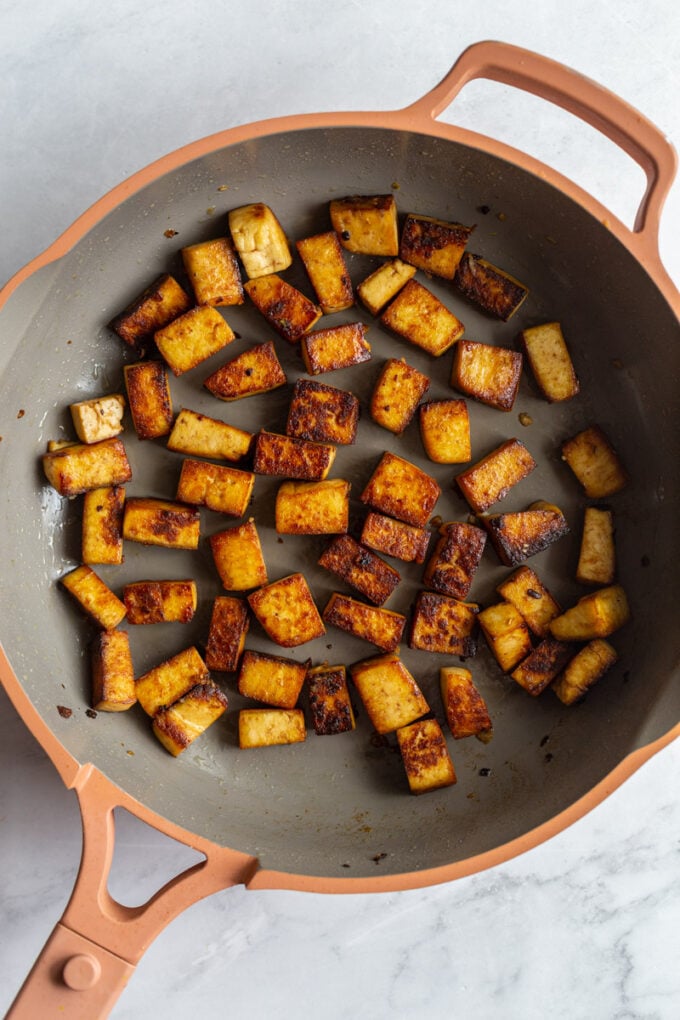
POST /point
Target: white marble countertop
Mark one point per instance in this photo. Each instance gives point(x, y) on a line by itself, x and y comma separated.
point(581, 928)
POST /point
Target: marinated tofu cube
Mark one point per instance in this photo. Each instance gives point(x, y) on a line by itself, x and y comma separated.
point(313, 508)
point(330, 706)
point(542, 665)
point(395, 538)
point(148, 391)
point(442, 624)
point(289, 457)
point(366, 224)
point(530, 597)
point(327, 350)
point(432, 245)
point(213, 270)
point(193, 337)
point(180, 724)
point(80, 467)
point(491, 478)
point(517, 536)
point(464, 707)
point(445, 431)
point(419, 317)
point(494, 290)
point(455, 559)
point(360, 568)
point(287, 612)
point(390, 694)
point(59, 444)
point(488, 374)
point(160, 522)
point(94, 597)
point(285, 308)
point(271, 679)
point(238, 557)
point(400, 489)
point(154, 308)
point(323, 414)
point(584, 670)
point(113, 677)
point(396, 394)
point(384, 284)
point(225, 490)
point(594, 616)
point(595, 463)
point(506, 633)
point(425, 756)
point(259, 240)
point(324, 262)
point(227, 634)
point(160, 601)
point(268, 727)
point(201, 436)
point(102, 526)
point(170, 680)
point(597, 555)
point(381, 627)
point(257, 370)
point(99, 418)
point(550, 362)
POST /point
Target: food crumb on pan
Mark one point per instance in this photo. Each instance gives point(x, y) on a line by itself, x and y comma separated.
point(525, 419)
point(64, 712)
point(90, 713)
point(379, 857)
point(170, 232)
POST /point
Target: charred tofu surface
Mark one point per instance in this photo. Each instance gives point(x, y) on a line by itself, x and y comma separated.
point(445, 431)
point(327, 350)
point(322, 414)
point(366, 224)
point(420, 318)
point(488, 374)
point(237, 553)
point(360, 568)
point(160, 522)
point(256, 370)
point(517, 536)
point(442, 624)
point(285, 308)
point(433, 245)
point(154, 308)
point(491, 478)
point(288, 457)
point(160, 601)
point(542, 665)
point(390, 694)
point(324, 263)
point(378, 289)
point(102, 526)
point(425, 756)
point(396, 395)
point(464, 707)
point(455, 559)
point(179, 724)
point(269, 727)
point(595, 463)
point(202, 436)
point(395, 538)
point(401, 489)
point(550, 362)
point(313, 508)
point(330, 705)
point(271, 679)
point(229, 624)
point(381, 627)
point(213, 271)
point(80, 467)
point(192, 338)
point(148, 392)
point(113, 677)
point(494, 290)
point(286, 611)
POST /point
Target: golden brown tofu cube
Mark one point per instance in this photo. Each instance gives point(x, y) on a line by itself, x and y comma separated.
point(395, 538)
point(486, 373)
point(442, 624)
point(201, 436)
point(94, 597)
point(584, 670)
point(327, 350)
point(597, 555)
point(227, 634)
point(550, 361)
point(268, 727)
point(148, 391)
point(238, 557)
point(170, 680)
point(113, 678)
point(329, 702)
point(271, 679)
point(396, 393)
point(506, 633)
point(102, 527)
point(181, 723)
point(99, 418)
point(225, 490)
point(530, 597)
point(289, 457)
point(193, 337)
point(159, 522)
point(445, 431)
point(464, 707)
point(384, 284)
point(324, 262)
point(491, 478)
point(313, 508)
point(366, 224)
point(517, 536)
point(360, 568)
point(259, 240)
point(160, 601)
point(425, 756)
point(257, 370)
point(80, 467)
point(491, 288)
point(595, 463)
point(454, 561)
point(287, 612)
point(322, 414)
point(59, 444)
point(285, 308)
point(400, 489)
point(594, 616)
point(390, 694)
point(419, 317)
point(432, 245)
point(154, 308)
point(381, 627)
point(213, 270)
point(542, 665)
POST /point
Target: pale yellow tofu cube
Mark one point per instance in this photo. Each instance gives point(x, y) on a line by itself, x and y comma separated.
point(201, 436)
point(506, 633)
point(597, 555)
point(268, 727)
point(259, 240)
point(425, 756)
point(549, 359)
point(584, 670)
point(595, 463)
point(390, 694)
point(381, 286)
point(99, 418)
point(594, 616)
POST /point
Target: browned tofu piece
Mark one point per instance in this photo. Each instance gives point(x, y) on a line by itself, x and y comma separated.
point(530, 597)
point(98, 418)
point(542, 665)
point(390, 694)
point(201, 436)
point(506, 633)
point(181, 723)
point(550, 361)
point(285, 308)
point(597, 555)
point(517, 536)
point(594, 616)
point(102, 526)
point(464, 707)
point(491, 288)
point(94, 597)
point(289, 457)
point(396, 394)
point(327, 350)
point(313, 508)
point(432, 245)
point(259, 240)
point(160, 601)
point(425, 756)
point(445, 431)
point(324, 262)
point(384, 284)
point(154, 308)
point(330, 705)
point(193, 337)
point(454, 561)
point(442, 624)
point(271, 679)
point(227, 634)
point(400, 489)
point(238, 557)
point(80, 467)
point(584, 670)
point(223, 489)
point(395, 538)
point(59, 444)
point(486, 373)
point(492, 477)
point(381, 627)
point(160, 522)
point(287, 612)
point(170, 680)
point(148, 391)
point(213, 271)
point(419, 317)
point(595, 463)
point(360, 568)
point(113, 677)
point(268, 727)
point(366, 224)
point(323, 414)
point(256, 370)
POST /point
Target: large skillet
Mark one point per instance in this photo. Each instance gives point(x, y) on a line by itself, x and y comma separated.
point(318, 816)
